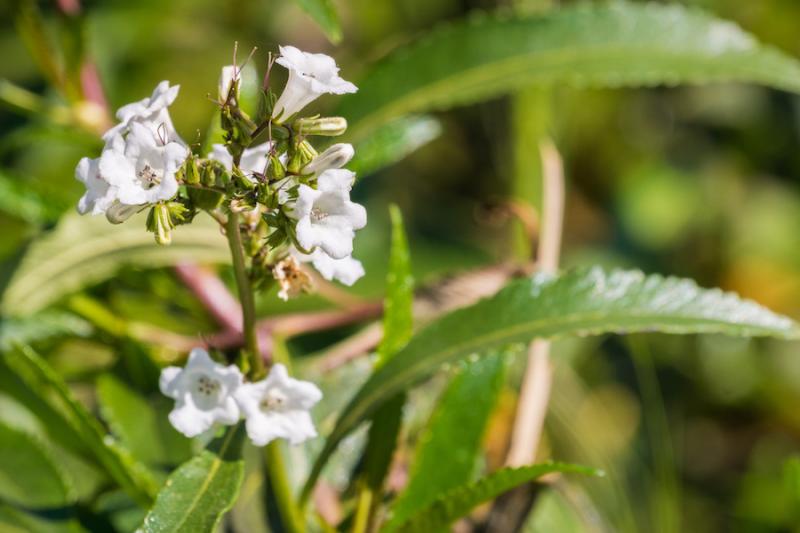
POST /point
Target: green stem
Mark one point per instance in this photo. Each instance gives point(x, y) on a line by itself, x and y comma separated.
point(290, 516)
point(245, 296)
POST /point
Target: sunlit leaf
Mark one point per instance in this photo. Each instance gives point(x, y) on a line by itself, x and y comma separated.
point(581, 302)
point(616, 44)
point(458, 502)
point(324, 13)
point(202, 490)
point(392, 142)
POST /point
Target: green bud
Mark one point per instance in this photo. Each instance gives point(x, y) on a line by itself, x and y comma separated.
point(275, 169)
point(160, 224)
point(300, 157)
point(191, 175)
point(207, 199)
point(241, 180)
point(327, 126)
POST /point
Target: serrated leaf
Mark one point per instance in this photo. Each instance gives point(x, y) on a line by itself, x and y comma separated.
point(586, 301)
point(145, 431)
point(392, 142)
point(460, 501)
point(130, 475)
point(202, 490)
point(29, 476)
point(324, 13)
point(616, 44)
point(85, 250)
point(448, 449)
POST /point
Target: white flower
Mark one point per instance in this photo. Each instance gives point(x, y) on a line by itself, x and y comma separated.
point(346, 270)
point(229, 74)
point(335, 156)
point(310, 76)
point(254, 160)
point(99, 195)
point(203, 392)
point(278, 408)
point(141, 167)
point(326, 217)
point(151, 112)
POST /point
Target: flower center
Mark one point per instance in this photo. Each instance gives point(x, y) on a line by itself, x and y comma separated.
point(148, 177)
point(207, 387)
point(318, 215)
point(273, 400)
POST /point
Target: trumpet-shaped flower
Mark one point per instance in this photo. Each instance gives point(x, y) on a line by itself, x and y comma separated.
point(152, 112)
point(204, 393)
point(141, 167)
point(99, 195)
point(310, 76)
point(253, 160)
point(278, 408)
point(326, 218)
point(336, 156)
point(346, 270)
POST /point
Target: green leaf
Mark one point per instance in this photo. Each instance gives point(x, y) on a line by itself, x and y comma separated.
point(397, 308)
point(130, 475)
point(85, 250)
point(41, 326)
point(587, 301)
point(29, 476)
point(18, 200)
point(202, 490)
point(460, 501)
point(392, 142)
point(448, 449)
point(145, 431)
point(324, 13)
point(616, 44)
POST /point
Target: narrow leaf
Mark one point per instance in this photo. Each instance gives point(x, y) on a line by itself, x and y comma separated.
point(131, 476)
point(202, 490)
point(611, 44)
point(447, 453)
point(324, 13)
point(581, 302)
point(86, 250)
point(29, 476)
point(392, 142)
point(41, 326)
point(460, 501)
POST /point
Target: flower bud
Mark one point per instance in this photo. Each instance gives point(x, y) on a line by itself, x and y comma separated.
point(188, 173)
point(160, 224)
point(119, 213)
point(300, 157)
point(275, 169)
point(327, 126)
point(229, 79)
point(241, 180)
point(335, 156)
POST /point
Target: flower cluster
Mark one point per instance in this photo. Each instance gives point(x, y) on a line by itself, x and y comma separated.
point(208, 394)
point(293, 202)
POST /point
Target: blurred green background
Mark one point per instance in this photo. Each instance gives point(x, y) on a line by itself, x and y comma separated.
point(694, 432)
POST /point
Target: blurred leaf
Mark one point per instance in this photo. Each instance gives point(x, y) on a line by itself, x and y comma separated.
point(22, 202)
point(145, 431)
point(446, 455)
point(458, 502)
point(14, 520)
point(131, 476)
point(586, 301)
point(86, 250)
point(41, 326)
point(202, 490)
point(618, 44)
point(392, 142)
point(397, 317)
point(324, 13)
point(29, 476)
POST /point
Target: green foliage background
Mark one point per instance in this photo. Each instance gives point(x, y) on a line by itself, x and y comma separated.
point(700, 182)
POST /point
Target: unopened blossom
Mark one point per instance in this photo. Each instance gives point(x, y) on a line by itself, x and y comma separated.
point(229, 74)
point(292, 279)
point(99, 195)
point(253, 160)
point(151, 112)
point(346, 270)
point(335, 156)
point(278, 408)
point(204, 393)
point(141, 166)
point(326, 218)
point(310, 76)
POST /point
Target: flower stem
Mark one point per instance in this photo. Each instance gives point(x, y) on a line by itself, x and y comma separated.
point(246, 297)
point(279, 482)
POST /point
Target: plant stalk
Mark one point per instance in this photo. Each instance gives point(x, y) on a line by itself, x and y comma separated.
point(279, 482)
point(246, 297)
